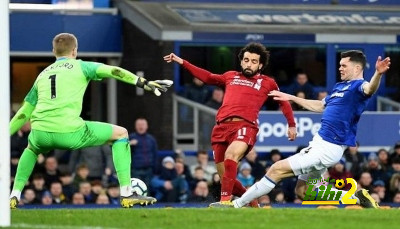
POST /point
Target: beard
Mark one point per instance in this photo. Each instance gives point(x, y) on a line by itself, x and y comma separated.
point(247, 72)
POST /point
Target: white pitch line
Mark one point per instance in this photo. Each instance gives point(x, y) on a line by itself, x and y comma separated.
point(46, 226)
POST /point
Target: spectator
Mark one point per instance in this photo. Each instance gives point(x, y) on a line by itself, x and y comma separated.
point(113, 193)
point(375, 196)
point(181, 167)
point(168, 186)
point(202, 161)
point(396, 198)
point(321, 95)
point(264, 200)
point(216, 99)
point(245, 176)
point(278, 196)
point(365, 181)
point(355, 161)
point(81, 174)
point(201, 193)
point(257, 169)
point(395, 168)
point(46, 198)
point(338, 171)
point(97, 188)
point(396, 151)
point(383, 159)
point(394, 184)
point(86, 189)
point(301, 83)
point(375, 169)
point(102, 198)
point(98, 159)
point(275, 155)
point(197, 91)
point(52, 174)
point(67, 186)
point(39, 186)
point(197, 177)
point(29, 197)
point(295, 106)
point(144, 152)
point(379, 188)
point(57, 193)
point(78, 198)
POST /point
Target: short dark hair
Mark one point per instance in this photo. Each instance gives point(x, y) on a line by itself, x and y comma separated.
point(258, 49)
point(355, 56)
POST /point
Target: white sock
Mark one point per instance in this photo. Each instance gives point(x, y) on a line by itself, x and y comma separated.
point(16, 193)
point(344, 193)
point(262, 187)
point(125, 190)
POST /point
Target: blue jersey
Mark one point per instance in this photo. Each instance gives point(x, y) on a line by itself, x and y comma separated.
point(343, 108)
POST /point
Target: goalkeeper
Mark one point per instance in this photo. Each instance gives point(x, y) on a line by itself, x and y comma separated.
point(53, 106)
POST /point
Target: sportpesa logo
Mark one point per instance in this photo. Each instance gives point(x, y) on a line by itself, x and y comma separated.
point(279, 129)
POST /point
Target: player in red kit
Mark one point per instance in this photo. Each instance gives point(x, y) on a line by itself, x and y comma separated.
point(234, 134)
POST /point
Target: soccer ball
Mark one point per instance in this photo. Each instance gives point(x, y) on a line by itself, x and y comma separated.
point(139, 186)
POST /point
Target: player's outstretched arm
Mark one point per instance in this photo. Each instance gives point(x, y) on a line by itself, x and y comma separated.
point(173, 57)
point(381, 67)
point(126, 76)
point(311, 105)
point(21, 117)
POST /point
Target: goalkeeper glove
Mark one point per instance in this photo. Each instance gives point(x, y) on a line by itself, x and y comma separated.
point(154, 86)
point(165, 84)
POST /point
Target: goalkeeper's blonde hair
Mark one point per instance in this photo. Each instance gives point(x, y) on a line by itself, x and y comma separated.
point(64, 44)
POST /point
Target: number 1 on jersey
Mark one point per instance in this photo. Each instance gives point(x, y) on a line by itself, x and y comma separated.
point(53, 86)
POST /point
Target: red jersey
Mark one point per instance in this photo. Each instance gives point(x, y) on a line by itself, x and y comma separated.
point(244, 96)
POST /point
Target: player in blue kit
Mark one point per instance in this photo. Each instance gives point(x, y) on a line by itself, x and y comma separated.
point(341, 111)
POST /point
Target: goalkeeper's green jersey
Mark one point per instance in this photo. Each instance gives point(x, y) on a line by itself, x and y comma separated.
point(57, 95)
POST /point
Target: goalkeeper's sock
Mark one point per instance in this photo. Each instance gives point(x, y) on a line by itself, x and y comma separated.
point(260, 188)
point(25, 167)
point(125, 190)
point(228, 180)
point(16, 193)
point(122, 161)
point(238, 189)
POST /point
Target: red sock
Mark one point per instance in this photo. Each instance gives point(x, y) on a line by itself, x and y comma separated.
point(228, 180)
point(238, 189)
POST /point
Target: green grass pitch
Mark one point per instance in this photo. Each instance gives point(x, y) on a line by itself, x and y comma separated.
point(192, 218)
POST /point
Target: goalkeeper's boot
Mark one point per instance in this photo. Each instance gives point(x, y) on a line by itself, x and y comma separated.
point(366, 200)
point(129, 201)
point(13, 202)
point(222, 204)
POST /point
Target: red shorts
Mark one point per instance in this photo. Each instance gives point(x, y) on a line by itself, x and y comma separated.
point(225, 133)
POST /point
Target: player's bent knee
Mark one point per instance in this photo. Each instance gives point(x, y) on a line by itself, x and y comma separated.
point(120, 132)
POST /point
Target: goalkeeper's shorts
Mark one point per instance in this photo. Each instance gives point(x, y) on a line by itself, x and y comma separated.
point(91, 134)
